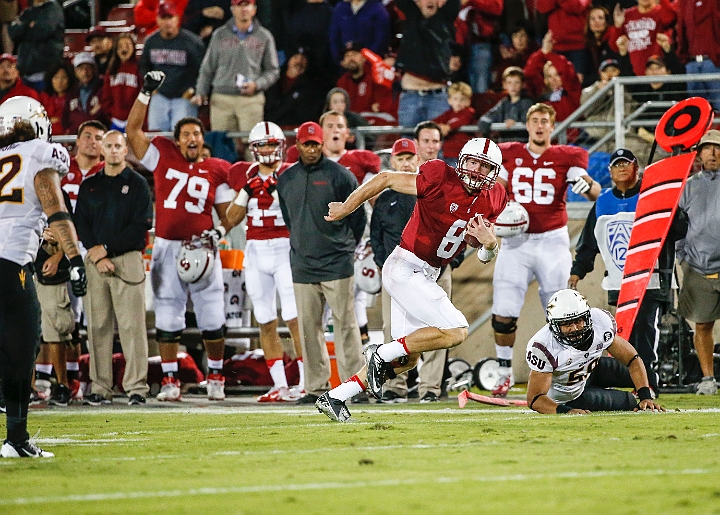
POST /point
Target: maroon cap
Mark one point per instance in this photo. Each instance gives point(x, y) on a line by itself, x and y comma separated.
point(238, 2)
point(404, 146)
point(310, 131)
point(8, 57)
point(167, 10)
point(656, 60)
point(97, 32)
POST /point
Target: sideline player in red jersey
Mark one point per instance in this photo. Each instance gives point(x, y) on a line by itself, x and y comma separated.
point(454, 206)
point(186, 189)
point(267, 252)
point(86, 161)
point(536, 174)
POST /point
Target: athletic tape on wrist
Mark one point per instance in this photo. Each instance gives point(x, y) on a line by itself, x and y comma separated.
point(242, 198)
point(144, 98)
point(487, 255)
point(644, 393)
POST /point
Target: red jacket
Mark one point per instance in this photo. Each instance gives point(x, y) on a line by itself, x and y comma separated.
point(20, 89)
point(120, 90)
point(454, 141)
point(145, 13)
point(55, 105)
point(698, 29)
point(478, 21)
point(642, 29)
point(535, 80)
point(364, 92)
point(567, 20)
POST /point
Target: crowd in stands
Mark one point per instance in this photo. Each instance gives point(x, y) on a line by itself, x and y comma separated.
point(392, 60)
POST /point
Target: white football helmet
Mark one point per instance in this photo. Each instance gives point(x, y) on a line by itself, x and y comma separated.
point(512, 221)
point(262, 134)
point(25, 108)
point(568, 306)
point(367, 273)
point(483, 150)
point(196, 259)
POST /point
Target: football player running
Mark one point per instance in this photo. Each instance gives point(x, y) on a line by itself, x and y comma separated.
point(267, 252)
point(536, 174)
point(32, 168)
point(186, 188)
point(455, 206)
point(568, 373)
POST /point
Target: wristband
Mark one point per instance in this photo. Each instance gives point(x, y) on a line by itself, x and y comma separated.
point(486, 255)
point(563, 408)
point(144, 98)
point(644, 393)
point(60, 215)
point(242, 198)
point(77, 261)
point(221, 230)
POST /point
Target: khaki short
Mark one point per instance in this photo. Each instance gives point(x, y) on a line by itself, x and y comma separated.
point(58, 319)
point(699, 298)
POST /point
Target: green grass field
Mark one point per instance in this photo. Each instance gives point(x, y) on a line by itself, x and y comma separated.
point(429, 459)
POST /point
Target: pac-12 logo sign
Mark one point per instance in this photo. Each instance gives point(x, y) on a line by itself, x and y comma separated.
point(618, 239)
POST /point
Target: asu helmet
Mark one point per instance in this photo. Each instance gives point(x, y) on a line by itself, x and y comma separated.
point(565, 307)
point(196, 259)
point(267, 133)
point(28, 109)
point(485, 151)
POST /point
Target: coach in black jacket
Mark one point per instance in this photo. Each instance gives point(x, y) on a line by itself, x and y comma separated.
point(321, 258)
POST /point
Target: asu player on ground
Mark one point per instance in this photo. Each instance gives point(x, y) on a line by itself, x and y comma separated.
point(568, 373)
point(454, 206)
point(536, 174)
point(30, 171)
point(267, 252)
point(186, 189)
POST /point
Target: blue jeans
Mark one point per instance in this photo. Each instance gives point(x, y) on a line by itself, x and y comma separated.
point(165, 112)
point(414, 108)
point(479, 67)
point(708, 90)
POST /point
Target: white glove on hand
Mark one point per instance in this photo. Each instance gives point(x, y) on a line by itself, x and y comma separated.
point(216, 234)
point(580, 186)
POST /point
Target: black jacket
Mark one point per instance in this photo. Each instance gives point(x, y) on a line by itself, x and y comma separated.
point(390, 215)
point(114, 211)
point(319, 250)
point(427, 43)
point(41, 46)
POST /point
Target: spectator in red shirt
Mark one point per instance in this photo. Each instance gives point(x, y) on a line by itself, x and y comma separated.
point(365, 94)
point(121, 83)
point(459, 114)
point(84, 99)
point(567, 20)
point(146, 13)
point(58, 81)
point(11, 85)
point(641, 25)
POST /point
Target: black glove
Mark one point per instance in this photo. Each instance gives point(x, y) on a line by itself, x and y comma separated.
point(78, 277)
point(152, 81)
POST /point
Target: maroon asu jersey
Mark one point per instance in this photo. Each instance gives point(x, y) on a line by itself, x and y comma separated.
point(264, 217)
point(434, 232)
point(185, 192)
point(540, 183)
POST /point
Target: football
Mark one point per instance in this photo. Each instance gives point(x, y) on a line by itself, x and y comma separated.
point(472, 241)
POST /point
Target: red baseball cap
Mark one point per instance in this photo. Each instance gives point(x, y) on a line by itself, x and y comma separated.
point(8, 57)
point(310, 131)
point(404, 146)
point(167, 10)
point(238, 2)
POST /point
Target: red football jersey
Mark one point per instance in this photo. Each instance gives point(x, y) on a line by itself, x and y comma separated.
point(434, 232)
point(539, 183)
point(72, 180)
point(185, 192)
point(264, 217)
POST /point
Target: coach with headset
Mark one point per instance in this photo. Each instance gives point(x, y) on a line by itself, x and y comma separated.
point(112, 216)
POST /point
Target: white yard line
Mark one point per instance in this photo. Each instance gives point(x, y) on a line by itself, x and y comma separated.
point(299, 487)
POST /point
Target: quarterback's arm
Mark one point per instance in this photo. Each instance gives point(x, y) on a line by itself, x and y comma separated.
point(401, 182)
point(626, 354)
point(139, 142)
point(538, 386)
point(48, 191)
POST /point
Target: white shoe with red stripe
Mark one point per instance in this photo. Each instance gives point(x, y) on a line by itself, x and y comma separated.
point(216, 387)
point(504, 382)
point(275, 394)
point(170, 390)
